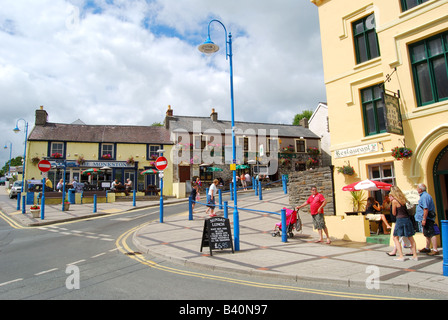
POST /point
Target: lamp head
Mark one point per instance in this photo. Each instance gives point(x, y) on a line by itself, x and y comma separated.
point(16, 129)
point(208, 47)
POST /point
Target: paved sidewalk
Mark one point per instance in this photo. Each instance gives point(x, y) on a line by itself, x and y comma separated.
point(179, 240)
point(344, 262)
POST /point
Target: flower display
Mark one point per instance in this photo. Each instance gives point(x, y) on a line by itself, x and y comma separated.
point(400, 153)
point(34, 207)
point(313, 150)
point(106, 156)
point(56, 155)
point(348, 170)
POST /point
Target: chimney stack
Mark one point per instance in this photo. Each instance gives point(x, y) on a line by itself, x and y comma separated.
point(214, 116)
point(304, 123)
point(41, 117)
point(169, 116)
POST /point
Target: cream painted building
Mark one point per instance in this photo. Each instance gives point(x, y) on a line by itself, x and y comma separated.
point(398, 48)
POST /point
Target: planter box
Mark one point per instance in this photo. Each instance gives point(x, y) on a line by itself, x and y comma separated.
point(35, 213)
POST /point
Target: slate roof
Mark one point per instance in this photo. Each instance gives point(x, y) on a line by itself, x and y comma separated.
point(178, 123)
point(100, 133)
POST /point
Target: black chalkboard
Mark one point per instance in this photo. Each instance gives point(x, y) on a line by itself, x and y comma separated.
point(217, 234)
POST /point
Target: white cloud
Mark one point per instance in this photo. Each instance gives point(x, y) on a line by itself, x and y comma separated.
point(125, 61)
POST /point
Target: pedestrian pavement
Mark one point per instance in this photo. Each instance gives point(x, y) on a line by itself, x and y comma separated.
point(178, 240)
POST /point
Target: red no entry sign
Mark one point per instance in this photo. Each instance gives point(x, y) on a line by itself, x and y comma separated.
point(44, 165)
point(161, 163)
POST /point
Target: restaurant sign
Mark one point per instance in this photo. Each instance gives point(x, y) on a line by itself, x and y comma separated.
point(393, 114)
point(368, 148)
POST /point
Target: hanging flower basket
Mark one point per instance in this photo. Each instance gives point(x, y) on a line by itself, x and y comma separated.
point(312, 163)
point(80, 160)
point(401, 153)
point(35, 160)
point(347, 170)
point(130, 160)
point(56, 155)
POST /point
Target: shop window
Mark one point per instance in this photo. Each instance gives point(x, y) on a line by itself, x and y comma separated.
point(429, 59)
point(366, 39)
point(409, 4)
point(373, 110)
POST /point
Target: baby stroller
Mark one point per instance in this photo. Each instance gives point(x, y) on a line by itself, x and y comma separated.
point(292, 222)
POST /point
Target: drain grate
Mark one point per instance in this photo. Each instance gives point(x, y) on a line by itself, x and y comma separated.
point(132, 253)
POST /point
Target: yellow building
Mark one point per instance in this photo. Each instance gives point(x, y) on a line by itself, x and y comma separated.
point(386, 75)
point(119, 152)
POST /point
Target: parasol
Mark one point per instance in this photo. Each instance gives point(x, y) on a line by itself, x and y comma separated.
point(149, 171)
point(370, 185)
point(213, 169)
point(90, 171)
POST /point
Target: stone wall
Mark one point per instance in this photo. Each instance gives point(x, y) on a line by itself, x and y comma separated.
point(299, 187)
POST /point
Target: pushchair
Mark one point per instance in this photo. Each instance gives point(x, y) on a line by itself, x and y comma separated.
point(292, 222)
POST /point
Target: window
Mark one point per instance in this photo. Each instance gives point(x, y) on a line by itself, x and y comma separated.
point(199, 142)
point(300, 146)
point(373, 110)
point(366, 40)
point(107, 151)
point(429, 59)
point(383, 172)
point(152, 151)
point(57, 149)
point(409, 4)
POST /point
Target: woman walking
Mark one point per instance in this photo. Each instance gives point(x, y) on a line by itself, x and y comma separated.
point(403, 226)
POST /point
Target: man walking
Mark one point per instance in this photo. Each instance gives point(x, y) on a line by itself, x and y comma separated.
point(425, 217)
point(317, 203)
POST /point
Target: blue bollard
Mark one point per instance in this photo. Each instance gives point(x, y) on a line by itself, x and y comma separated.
point(445, 246)
point(24, 204)
point(134, 198)
point(256, 187)
point(42, 208)
point(284, 226)
point(220, 199)
point(18, 201)
point(231, 191)
point(226, 210)
point(94, 204)
point(190, 209)
point(260, 194)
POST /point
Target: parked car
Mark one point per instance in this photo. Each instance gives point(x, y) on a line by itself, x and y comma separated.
point(2, 181)
point(15, 189)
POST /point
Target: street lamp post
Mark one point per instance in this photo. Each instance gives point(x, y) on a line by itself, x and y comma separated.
point(10, 155)
point(17, 130)
point(208, 47)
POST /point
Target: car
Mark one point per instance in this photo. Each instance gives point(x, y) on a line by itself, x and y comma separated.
point(15, 189)
point(2, 181)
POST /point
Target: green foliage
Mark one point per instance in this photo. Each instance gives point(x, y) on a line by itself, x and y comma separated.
point(305, 114)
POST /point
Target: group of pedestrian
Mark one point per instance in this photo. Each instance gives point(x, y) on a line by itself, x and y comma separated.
point(405, 228)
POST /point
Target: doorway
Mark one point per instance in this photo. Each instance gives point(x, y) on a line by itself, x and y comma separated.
point(440, 172)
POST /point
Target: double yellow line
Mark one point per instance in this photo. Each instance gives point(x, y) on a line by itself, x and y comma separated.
point(11, 221)
point(123, 247)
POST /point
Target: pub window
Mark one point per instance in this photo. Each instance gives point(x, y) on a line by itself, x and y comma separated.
point(429, 59)
point(366, 39)
point(373, 110)
point(152, 151)
point(57, 148)
point(383, 172)
point(107, 150)
point(409, 4)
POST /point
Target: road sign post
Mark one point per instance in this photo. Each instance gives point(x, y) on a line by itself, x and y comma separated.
point(44, 166)
point(161, 164)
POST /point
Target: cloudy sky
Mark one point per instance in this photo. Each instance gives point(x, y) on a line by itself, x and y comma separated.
point(125, 61)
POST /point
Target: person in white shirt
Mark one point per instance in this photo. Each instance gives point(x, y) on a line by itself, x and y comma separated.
point(212, 192)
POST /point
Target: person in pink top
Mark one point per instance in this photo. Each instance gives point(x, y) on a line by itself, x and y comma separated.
point(317, 203)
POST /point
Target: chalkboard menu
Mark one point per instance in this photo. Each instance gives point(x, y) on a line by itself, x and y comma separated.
point(217, 234)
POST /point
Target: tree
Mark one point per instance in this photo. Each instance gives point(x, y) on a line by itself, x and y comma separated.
point(305, 114)
point(17, 161)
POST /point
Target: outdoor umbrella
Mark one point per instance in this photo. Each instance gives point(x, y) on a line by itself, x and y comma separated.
point(369, 185)
point(149, 171)
point(90, 171)
point(242, 166)
point(213, 169)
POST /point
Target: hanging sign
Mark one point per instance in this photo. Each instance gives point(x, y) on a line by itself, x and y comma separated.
point(394, 123)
